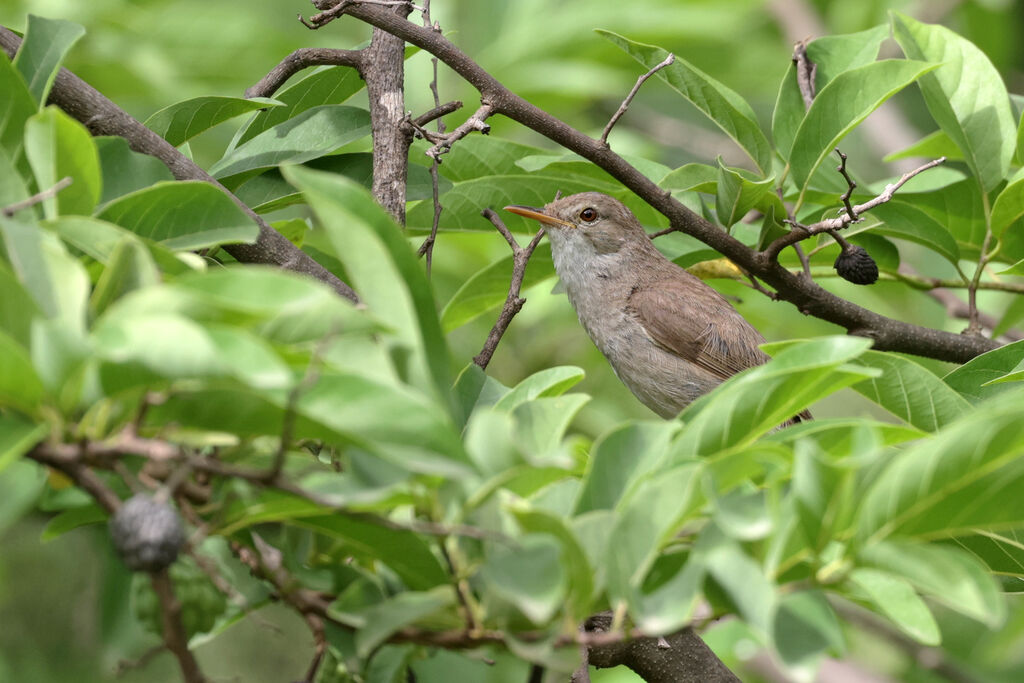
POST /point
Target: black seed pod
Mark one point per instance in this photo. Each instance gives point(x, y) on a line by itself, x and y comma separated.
point(147, 534)
point(856, 265)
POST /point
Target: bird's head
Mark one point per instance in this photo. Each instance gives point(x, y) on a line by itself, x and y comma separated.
point(588, 218)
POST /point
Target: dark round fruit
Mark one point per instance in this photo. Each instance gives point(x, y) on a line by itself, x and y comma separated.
point(147, 534)
point(856, 265)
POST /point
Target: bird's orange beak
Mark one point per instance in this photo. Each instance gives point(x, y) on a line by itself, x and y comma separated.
point(538, 215)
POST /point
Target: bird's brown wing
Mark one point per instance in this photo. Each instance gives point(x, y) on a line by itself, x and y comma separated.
point(696, 324)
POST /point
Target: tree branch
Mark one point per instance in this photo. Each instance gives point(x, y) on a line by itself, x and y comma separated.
point(888, 334)
point(632, 93)
point(103, 117)
point(301, 59)
point(174, 634)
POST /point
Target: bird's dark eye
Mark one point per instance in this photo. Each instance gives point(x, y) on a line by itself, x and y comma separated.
point(588, 214)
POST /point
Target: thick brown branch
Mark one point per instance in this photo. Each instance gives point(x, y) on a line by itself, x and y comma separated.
point(806, 71)
point(888, 334)
point(304, 58)
point(103, 117)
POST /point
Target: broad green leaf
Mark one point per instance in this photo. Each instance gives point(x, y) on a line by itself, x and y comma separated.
point(380, 621)
point(403, 551)
point(841, 106)
point(17, 308)
point(269, 191)
point(312, 134)
point(805, 627)
point(549, 382)
point(933, 146)
point(669, 605)
point(98, 239)
point(46, 43)
point(12, 185)
point(56, 281)
point(182, 215)
point(965, 95)
point(821, 491)
point(476, 156)
point(945, 573)
point(758, 400)
point(961, 478)
point(16, 106)
point(57, 146)
point(958, 208)
point(907, 222)
point(832, 55)
point(1002, 552)
point(1009, 205)
point(69, 520)
point(741, 577)
point(723, 106)
point(17, 437)
point(332, 85)
point(530, 575)
point(541, 424)
point(20, 485)
point(131, 267)
point(911, 392)
point(620, 457)
point(698, 177)
point(184, 120)
point(742, 513)
point(736, 195)
point(643, 521)
point(125, 170)
point(579, 573)
point(487, 288)
point(972, 380)
point(382, 266)
point(895, 598)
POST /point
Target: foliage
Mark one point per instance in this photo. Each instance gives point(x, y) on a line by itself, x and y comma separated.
point(429, 497)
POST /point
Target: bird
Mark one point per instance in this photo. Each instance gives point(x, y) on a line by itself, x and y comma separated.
point(669, 337)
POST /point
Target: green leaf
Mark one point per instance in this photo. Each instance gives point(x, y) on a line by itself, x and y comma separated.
point(965, 96)
point(98, 239)
point(645, 520)
point(841, 106)
point(1009, 205)
point(944, 573)
point(381, 620)
point(895, 598)
point(403, 551)
point(741, 577)
point(1002, 552)
point(905, 221)
point(723, 106)
point(958, 209)
point(549, 382)
point(805, 627)
point(487, 288)
point(12, 186)
point(332, 85)
point(46, 43)
point(619, 458)
point(579, 573)
point(125, 170)
point(911, 392)
point(17, 308)
point(973, 379)
point(758, 400)
point(17, 437)
point(182, 215)
point(131, 267)
point(311, 134)
point(69, 520)
point(56, 281)
point(184, 120)
point(832, 55)
point(531, 575)
point(16, 106)
point(382, 267)
point(933, 146)
point(961, 478)
point(696, 177)
point(736, 195)
point(57, 146)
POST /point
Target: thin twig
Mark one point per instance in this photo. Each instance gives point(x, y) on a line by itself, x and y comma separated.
point(850, 187)
point(174, 634)
point(513, 302)
point(632, 93)
point(806, 71)
point(37, 198)
point(477, 122)
point(427, 248)
point(301, 59)
point(840, 222)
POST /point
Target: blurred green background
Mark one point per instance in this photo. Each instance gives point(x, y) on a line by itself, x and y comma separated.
point(145, 55)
